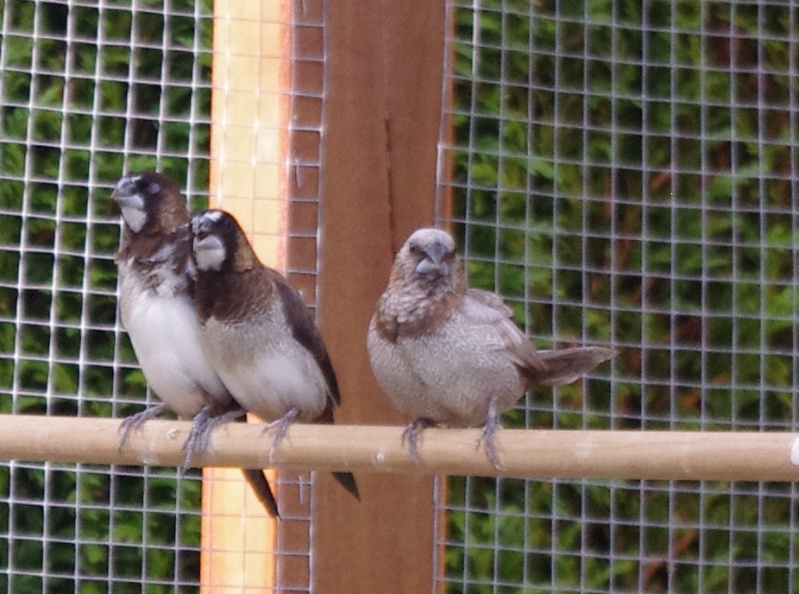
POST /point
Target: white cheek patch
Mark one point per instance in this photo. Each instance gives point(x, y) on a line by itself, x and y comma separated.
point(135, 218)
point(209, 253)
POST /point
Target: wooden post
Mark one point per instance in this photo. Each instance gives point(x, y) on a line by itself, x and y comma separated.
point(384, 67)
point(248, 148)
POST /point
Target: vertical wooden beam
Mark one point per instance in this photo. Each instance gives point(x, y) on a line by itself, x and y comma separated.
point(384, 72)
point(248, 148)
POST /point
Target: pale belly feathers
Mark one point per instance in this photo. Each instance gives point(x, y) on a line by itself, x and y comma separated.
point(165, 335)
point(266, 372)
point(449, 378)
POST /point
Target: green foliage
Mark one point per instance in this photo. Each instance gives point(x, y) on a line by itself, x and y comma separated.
point(74, 116)
point(616, 180)
point(623, 172)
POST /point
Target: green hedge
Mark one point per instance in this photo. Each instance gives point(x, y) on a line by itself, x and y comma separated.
point(84, 112)
point(623, 174)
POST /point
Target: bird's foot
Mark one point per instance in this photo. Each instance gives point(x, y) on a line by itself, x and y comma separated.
point(137, 420)
point(411, 434)
point(488, 434)
point(281, 426)
point(203, 424)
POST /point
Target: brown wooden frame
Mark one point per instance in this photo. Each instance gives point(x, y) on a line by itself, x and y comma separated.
point(382, 76)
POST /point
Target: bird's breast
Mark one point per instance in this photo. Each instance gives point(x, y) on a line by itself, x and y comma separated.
point(448, 375)
point(265, 369)
point(165, 335)
point(412, 314)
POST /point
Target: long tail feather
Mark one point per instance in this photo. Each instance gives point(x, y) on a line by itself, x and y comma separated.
point(564, 366)
point(262, 490)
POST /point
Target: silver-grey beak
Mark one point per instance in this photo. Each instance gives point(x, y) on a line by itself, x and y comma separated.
point(200, 225)
point(126, 194)
point(434, 262)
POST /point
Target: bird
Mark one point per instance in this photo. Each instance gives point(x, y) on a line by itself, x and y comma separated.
point(258, 334)
point(447, 354)
point(156, 303)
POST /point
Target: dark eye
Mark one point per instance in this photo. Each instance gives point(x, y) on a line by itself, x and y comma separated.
point(154, 188)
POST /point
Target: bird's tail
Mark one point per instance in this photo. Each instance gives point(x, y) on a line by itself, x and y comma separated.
point(262, 490)
point(346, 480)
point(564, 366)
point(259, 484)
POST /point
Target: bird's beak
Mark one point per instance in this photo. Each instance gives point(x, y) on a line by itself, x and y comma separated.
point(200, 226)
point(209, 251)
point(434, 262)
point(202, 238)
point(203, 241)
point(126, 195)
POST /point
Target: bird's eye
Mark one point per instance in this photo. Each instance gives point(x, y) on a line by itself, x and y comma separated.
point(154, 188)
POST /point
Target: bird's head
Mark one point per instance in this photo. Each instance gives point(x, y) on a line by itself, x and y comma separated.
point(150, 201)
point(219, 243)
point(429, 256)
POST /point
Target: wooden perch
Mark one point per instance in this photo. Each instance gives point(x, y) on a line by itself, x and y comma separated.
point(655, 455)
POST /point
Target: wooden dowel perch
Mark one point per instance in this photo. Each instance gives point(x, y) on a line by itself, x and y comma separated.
point(655, 455)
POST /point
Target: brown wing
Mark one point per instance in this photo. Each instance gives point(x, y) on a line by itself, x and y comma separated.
point(549, 368)
point(304, 331)
point(491, 300)
point(488, 309)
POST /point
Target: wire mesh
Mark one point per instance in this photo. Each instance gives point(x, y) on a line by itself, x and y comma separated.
point(626, 173)
point(306, 93)
point(622, 173)
point(89, 91)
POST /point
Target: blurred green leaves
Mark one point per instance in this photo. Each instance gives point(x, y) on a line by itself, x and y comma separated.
point(89, 91)
point(621, 173)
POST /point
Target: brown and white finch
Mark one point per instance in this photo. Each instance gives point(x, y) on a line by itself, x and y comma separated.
point(447, 354)
point(258, 334)
point(156, 305)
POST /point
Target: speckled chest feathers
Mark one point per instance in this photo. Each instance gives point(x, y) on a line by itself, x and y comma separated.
point(160, 263)
point(415, 305)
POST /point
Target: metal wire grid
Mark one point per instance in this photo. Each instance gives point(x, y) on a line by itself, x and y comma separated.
point(88, 91)
point(626, 173)
point(299, 180)
point(307, 93)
